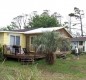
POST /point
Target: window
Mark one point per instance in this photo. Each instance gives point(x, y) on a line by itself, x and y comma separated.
point(80, 42)
point(14, 40)
point(32, 39)
point(17, 40)
point(31, 43)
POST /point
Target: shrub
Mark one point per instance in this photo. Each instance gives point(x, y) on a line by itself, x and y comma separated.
point(1, 53)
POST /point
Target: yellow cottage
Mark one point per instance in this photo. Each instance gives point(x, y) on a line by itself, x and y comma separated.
point(24, 38)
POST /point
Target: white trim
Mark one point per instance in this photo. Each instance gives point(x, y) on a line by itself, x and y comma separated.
point(11, 32)
point(41, 30)
point(85, 46)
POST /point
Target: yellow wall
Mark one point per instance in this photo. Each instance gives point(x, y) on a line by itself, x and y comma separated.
point(23, 41)
point(5, 38)
point(29, 46)
point(64, 34)
point(1, 38)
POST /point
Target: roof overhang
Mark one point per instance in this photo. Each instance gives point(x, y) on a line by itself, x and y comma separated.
point(39, 30)
point(79, 39)
point(10, 32)
point(42, 30)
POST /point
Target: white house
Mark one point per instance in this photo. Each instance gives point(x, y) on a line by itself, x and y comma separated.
point(79, 42)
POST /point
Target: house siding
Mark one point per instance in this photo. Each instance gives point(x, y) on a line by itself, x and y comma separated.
point(23, 41)
point(64, 33)
point(5, 39)
point(28, 41)
point(80, 47)
point(1, 38)
point(30, 47)
point(74, 44)
point(85, 46)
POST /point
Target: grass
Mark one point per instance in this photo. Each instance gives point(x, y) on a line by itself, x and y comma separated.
point(71, 66)
point(63, 69)
point(12, 70)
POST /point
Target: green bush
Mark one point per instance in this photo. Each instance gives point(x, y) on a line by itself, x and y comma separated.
point(1, 53)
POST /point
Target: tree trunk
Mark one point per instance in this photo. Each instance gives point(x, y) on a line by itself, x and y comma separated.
point(50, 58)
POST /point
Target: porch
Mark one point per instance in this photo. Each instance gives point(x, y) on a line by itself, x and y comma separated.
point(20, 55)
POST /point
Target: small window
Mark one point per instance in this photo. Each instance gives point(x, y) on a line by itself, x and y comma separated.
point(32, 39)
point(80, 42)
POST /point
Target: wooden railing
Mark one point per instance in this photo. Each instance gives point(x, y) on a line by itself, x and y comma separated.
point(9, 49)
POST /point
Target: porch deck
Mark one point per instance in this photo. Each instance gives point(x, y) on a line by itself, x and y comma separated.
point(20, 56)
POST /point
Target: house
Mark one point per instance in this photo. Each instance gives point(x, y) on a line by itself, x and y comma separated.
point(79, 42)
point(24, 38)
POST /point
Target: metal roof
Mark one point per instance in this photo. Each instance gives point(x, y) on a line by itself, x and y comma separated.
point(41, 30)
point(79, 39)
point(36, 31)
point(17, 31)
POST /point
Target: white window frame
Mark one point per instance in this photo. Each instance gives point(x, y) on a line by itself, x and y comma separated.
point(15, 38)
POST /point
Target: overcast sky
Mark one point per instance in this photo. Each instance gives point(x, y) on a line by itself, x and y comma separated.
point(12, 8)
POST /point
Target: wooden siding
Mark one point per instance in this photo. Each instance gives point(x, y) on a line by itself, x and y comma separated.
point(1, 38)
point(5, 39)
point(30, 48)
point(64, 33)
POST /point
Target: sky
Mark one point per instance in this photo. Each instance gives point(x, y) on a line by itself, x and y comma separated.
point(12, 8)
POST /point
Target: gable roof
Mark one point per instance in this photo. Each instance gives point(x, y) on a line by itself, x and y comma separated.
point(79, 39)
point(41, 30)
point(38, 30)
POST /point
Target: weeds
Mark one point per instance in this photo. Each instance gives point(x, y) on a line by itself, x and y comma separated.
point(14, 73)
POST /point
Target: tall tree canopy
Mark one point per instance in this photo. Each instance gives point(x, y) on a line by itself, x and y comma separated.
point(8, 27)
point(34, 20)
point(17, 23)
point(43, 20)
point(78, 14)
point(20, 21)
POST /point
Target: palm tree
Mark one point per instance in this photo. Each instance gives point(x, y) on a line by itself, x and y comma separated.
point(49, 42)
